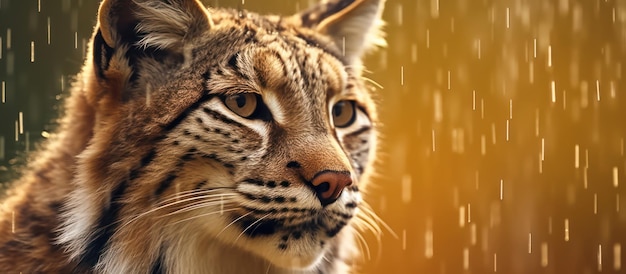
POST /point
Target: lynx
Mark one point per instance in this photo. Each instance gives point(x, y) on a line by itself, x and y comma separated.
point(203, 140)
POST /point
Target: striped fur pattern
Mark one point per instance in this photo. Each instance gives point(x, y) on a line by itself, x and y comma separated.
point(158, 168)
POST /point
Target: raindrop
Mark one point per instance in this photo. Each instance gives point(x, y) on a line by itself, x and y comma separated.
point(413, 53)
point(8, 38)
point(550, 225)
point(406, 188)
point(21, 122)
point(595, 203)
point(400, 19)
point(48, 31)
point(473, 99)
point(402, 75)
point(501, 188)
point(553, 89)
point(566, 230)
point(75, 40)
point(17, 131)
point(427, 38)
point(404, 239)
point(448, 80)
point(600, 258)
point(507, 130)
point(428, 239)
point(473, 234)
point(38, 5)
point(483, 145)
point(544, 254)
point(465, 258)
point(530, 243)
point(537, 122)
point(478, 48)
point(476, 176)
point(482, 108)
point(585, 184)
point(598, 90)
point(433, 136)
point(3, 95)
point(615, 177)
point(617, 256)
point(45, 134)
point(438, 106)
point(495, 262)
point(550, 56)
point(493, 133)
point(462, 216)
point(469, 213)
point(510, 109)
point(535, 48)
point(617, 202)
point(434, 8)
point(2, 152)
point(32, 51)
point(612, 87)
point(543, 149)
point(508, 21)
point(576, 156)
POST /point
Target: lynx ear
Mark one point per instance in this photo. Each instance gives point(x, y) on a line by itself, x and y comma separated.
point(161, 24)
point(136, 35)
point(354, 25)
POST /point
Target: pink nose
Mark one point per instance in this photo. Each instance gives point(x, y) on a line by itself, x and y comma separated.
point(328, 185)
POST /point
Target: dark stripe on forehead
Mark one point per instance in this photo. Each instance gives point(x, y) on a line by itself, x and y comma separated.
point(174, 123)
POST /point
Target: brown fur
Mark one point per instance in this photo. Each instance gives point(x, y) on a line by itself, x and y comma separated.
point(150, 172)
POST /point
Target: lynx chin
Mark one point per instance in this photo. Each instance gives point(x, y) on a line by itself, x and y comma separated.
point(201, 140)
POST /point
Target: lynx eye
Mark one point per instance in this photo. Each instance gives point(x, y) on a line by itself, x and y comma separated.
point(344, 113)
point(244, 104)
point(248, 105)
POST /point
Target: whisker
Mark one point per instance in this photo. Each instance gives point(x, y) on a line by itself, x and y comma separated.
point(372, 82)
point(367, 248)
point(201, 215)
point(186, 193)
point(251, 225)
point(231, 223)
point(368, 211)
point(194, 206)
point(161, 207)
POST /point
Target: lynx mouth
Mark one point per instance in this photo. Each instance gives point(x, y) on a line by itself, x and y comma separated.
point(315, 223)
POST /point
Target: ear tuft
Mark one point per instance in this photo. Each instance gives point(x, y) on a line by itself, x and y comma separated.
point(164, 24)
point(354, 25)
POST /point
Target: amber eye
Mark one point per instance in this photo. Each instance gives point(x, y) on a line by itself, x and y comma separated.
point(344, 113)
point(244, 104)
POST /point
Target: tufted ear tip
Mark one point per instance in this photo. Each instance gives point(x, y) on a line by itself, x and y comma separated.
point(159, 24)
point(354, 25)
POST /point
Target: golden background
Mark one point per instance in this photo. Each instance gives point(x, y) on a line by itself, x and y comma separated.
point(503, 137)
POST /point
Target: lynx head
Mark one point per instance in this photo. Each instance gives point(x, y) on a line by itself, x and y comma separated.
point(223, 128)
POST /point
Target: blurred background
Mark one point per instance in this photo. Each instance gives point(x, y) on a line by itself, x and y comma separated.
point(503, 138)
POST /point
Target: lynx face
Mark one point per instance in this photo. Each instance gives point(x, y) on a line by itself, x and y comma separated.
point(223, 126)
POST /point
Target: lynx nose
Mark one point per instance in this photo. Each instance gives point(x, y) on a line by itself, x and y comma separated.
point(328, 185)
